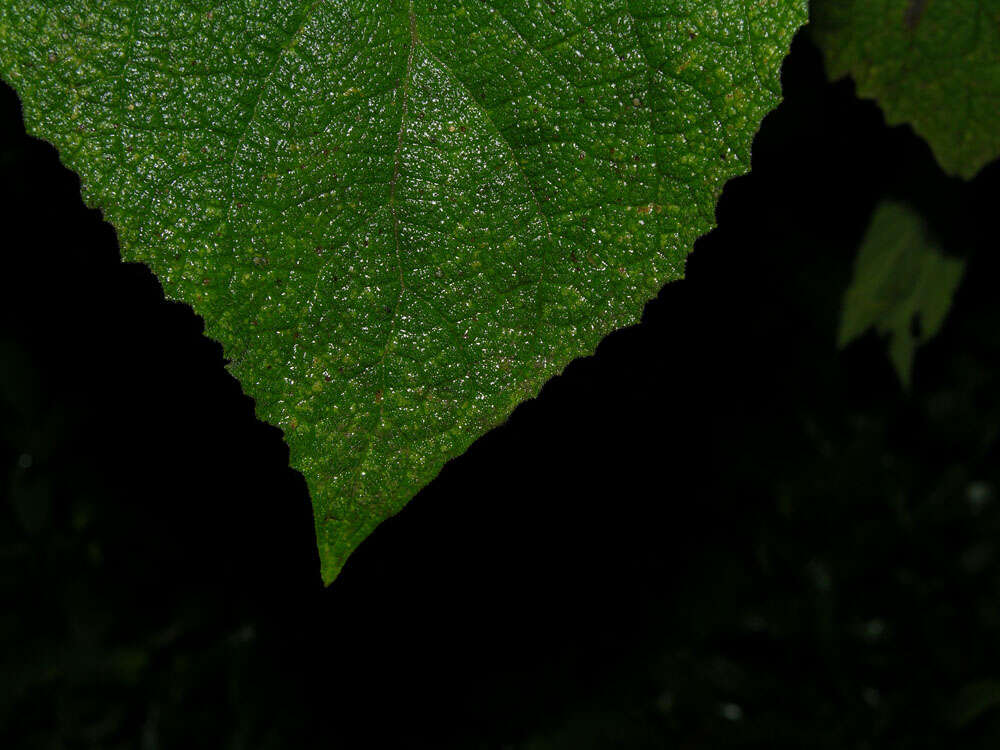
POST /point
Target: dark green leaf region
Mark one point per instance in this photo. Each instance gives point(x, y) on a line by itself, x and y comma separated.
point(401, 217)
point(903, 285)
point(932, 63)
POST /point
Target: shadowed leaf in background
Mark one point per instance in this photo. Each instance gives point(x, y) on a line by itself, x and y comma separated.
point(903, 286)
point(935, 65)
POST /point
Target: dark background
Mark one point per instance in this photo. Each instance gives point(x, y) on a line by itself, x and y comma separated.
point(718, 532)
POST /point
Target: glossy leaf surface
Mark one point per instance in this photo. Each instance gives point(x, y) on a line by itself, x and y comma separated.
point(400, 218)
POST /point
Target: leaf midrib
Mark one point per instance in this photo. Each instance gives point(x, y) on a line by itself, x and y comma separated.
point(307, 10)
point(393, 185)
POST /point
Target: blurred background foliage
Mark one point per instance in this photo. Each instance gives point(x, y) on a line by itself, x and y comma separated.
point(903, 286)
point(721, 531)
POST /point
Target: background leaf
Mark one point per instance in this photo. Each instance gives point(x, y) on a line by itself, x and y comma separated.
point(933, 64)
point(903, 285)
point(400, 219)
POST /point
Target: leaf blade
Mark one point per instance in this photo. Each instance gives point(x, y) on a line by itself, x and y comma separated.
point(400, 219)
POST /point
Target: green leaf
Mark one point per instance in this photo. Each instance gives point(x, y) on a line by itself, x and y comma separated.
point(932, 63)
point(400, 218)
point(903, 286)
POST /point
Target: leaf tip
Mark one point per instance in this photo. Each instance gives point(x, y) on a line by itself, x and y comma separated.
point(338, 539)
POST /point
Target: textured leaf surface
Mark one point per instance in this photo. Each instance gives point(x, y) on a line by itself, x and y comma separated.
point(932, 63)
point(400, 218)
point(903, 285)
